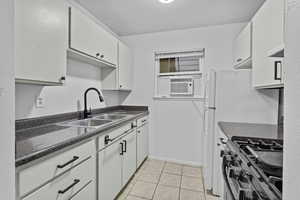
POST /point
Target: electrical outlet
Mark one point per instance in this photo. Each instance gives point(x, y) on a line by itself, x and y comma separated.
point(1, 91)
point(39, 102)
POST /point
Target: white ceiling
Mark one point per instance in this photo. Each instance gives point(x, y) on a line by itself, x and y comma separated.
point(126, 17)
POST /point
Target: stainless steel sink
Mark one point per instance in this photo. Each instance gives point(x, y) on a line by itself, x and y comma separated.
point(92, 123)
point(110, 117)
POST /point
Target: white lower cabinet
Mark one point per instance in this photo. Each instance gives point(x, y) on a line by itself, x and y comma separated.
point(117, 164)
point(129, 157)
point(73, 173)
point(142, 143)
point(110, 174)
point(68, 184)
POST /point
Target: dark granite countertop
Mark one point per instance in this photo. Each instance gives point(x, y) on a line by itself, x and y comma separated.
point(231, 129)
point(38, 137)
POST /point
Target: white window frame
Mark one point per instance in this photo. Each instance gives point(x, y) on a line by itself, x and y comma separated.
point(168, 54)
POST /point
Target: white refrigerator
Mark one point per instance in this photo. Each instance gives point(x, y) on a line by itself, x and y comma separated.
point(229, 96)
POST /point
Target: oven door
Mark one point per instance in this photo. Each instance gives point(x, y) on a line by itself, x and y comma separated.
point(228, 194)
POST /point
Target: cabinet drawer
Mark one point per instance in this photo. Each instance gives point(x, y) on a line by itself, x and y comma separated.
point(88, 192)
point(68, 184)
point(34, 176)
point(113, 135)
point(142, 121)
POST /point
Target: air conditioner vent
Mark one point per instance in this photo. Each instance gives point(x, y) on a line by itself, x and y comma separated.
point(181, 86)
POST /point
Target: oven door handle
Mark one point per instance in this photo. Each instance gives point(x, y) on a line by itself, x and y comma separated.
point(226, 178)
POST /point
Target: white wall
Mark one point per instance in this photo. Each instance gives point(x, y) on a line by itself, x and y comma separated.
point(291, 163)
point(7, 136)
point(175, 126)
point(67, 98)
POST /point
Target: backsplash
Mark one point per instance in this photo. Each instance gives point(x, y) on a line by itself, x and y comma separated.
point(66, 98)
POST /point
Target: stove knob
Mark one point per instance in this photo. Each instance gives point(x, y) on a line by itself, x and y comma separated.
point(243, 176)
point(232, 173)
point(225, 153)
point(254, 196)
point(222, 153)
point(240, 161)
point(246, 195)
point(242, 195)
point(250, 176)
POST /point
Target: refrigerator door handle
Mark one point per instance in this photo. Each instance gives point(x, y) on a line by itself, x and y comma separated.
point(211, 108)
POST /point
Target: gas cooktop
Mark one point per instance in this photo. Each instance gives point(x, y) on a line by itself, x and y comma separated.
point(265, 158)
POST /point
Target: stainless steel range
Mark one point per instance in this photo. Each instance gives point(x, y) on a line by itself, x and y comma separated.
point(252, 169)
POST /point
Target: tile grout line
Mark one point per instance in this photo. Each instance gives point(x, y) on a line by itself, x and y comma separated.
point(159, 179)
point(181, 171)
point(170, 173)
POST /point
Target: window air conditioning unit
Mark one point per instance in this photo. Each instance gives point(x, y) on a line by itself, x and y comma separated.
point(181, 86)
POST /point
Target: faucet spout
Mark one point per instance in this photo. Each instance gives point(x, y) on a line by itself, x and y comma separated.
point(86, 113)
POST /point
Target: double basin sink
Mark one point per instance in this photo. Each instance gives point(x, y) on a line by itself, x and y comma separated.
point(96, 121)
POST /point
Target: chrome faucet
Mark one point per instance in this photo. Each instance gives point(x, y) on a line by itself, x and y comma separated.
point(87, 112)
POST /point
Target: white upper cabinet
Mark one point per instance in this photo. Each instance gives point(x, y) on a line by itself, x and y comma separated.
point(125, 67)
point(41, 41)
point(268, 33)
point(90, 39)
point(242, 48)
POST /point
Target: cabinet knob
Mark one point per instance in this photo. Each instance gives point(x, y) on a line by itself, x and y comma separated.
point(239, 60)
point(62, 79)
point(120, 86)
point(102, 56)
point(97, 54)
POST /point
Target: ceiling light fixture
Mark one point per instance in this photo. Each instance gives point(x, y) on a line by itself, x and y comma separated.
point(165, 1)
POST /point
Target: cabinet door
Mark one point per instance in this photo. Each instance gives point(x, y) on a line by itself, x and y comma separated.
point(125, 67)
point(142, 143)
point(87, 37)
point(108, 46)
point(110, 171)
point(129, 157)
point(41, 41)
point(242, 47)
point(268, 33)
point(83, 33)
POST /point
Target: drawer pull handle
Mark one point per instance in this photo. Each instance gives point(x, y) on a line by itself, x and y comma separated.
point(125, 146)
point(67, 163)
point(277, 70)
point(122, 147)
point(76, 181)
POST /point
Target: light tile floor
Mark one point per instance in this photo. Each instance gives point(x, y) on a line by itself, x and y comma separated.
point(160, 180)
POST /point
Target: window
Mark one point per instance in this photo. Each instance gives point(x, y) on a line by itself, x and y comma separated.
point(179, 74)
point(179, 62)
